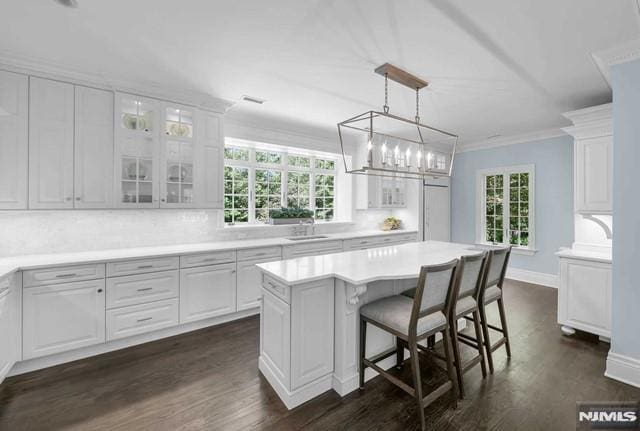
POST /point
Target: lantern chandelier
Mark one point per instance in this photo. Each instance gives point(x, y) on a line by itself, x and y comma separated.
point(389, 145)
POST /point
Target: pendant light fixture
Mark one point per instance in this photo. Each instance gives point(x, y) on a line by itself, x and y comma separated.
point(390, 145)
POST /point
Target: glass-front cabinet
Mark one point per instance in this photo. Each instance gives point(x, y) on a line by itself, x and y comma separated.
point(178, 151)
point(136, 151)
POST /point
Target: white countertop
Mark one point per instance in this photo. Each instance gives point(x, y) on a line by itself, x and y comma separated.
point(584, 255)
point(12, 264)
point(363, 266)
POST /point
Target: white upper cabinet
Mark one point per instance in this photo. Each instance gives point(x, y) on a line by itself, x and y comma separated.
point(93, 148)
point(210, 166)
point(136, 151)
point(14, 147)
point(51, 130)
point(177, 170)
point(380, 192)
point(592, 131)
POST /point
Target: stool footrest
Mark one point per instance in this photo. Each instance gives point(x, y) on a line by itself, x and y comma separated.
point(498, 343)
point(495, 328)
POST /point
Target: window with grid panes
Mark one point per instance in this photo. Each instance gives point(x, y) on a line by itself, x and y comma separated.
point(236, 194)
point(325, 197)
point(507, 207)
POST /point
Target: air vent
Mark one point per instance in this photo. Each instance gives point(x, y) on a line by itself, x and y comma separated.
point(253, 100)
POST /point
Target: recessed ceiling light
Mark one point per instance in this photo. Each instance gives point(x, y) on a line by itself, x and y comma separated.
point(253, 99)
point(68, 3)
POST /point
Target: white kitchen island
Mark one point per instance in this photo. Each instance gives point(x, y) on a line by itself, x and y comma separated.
point(309, 315)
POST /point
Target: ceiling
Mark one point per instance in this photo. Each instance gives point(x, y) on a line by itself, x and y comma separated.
point(495, 67)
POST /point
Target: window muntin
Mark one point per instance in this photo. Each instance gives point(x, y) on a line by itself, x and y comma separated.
point(298, 189)
point(277, 179)
point(236, 194)
point(325, 196)
point(268, 192)
point(506, 215)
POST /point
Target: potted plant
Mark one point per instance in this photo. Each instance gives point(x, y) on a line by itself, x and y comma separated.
point(290, 216)
point(391, 223)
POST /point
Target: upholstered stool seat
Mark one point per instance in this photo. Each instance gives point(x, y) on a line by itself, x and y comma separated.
point(491, 294)
point(394, 312)
point(465, 306)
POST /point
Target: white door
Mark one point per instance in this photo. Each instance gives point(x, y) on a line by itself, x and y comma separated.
point(14, 147)
point(51, 116)
point(93, 148)
point(63, 317)
point(207, 291)
point(210, 166)
point(436, 212)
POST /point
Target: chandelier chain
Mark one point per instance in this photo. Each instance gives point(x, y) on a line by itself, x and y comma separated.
point(386, 93)
point(417, 105)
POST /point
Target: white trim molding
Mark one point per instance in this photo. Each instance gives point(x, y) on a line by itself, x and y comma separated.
point(624, 53)
point(501, 141)
point(541, 278)
point(623, 368)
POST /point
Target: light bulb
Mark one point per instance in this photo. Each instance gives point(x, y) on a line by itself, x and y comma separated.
point(408, 157)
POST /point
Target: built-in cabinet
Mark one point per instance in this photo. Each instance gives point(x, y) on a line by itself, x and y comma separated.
point(380, 192)
point(584, 296)
point(51, 130)
point(437, 209)
point(10, 322)
point(65, 146)
point(14, 145)
point(207, 291)
point(249, 291)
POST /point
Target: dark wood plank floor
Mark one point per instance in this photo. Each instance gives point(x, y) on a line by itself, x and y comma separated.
point(209, 380)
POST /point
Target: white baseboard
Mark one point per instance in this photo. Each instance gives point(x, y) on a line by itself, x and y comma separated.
point(623, 368)
point(541, 278)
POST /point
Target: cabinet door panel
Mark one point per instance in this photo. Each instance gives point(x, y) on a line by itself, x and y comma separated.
point(51, 119)
point(594, 175)
point(249, 284)
point(207, 291)
point(436, 213)
point(14, 148)
point(275, 336)
point(588, 296)
point(93, 148)
point(63, 317)
point(210, 174)
point(139, 319)
point(6, 339)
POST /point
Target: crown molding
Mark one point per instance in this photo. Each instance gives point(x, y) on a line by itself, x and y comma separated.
point(51, 70)
point(619, 54)
point(502, 141)
point(590, 122)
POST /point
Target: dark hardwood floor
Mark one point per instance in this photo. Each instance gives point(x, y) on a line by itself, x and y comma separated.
point(209, 380)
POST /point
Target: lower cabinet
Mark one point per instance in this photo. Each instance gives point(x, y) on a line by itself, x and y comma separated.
point(296, 339)
point(9, 326)
point(207, 291)
point(584, 296)
point(63, 317)
point(249, 284)
point(138, 319)
point(311, 249)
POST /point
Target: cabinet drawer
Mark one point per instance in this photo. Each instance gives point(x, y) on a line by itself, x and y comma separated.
point(397, 239)
point(62, 274)
point(361, 243)
point(260, 253)
point(142, 288)
point(311, 249)
point(141, 266)
point(280, 290)
point(138, 319)
point(215, 258)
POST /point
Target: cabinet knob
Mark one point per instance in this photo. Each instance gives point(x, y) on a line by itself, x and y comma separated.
point(67, 199)
point(163, 200)
point(99, 290)
point(78, 198)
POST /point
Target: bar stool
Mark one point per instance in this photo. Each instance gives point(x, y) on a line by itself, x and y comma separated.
point(491, 291)
point(471, 271)
point(412, 320)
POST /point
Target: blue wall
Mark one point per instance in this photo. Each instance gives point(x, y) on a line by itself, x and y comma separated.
point(626, 208)
point(553, 160)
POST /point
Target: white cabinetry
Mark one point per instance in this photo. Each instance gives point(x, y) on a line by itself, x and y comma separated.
point(207, 291)
point(210, 163)
point(63, 317)
point(138, 319)
point(592, 131)
point(249, 283)
point(93, 148)
point(311, 249)
point(51, 129)
point(380, 192)
point(296, 339)
point(584, 296)
point(14, 148)
point(437, 210)
point(10, 323)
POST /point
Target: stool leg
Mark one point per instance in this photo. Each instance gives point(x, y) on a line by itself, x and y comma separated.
point(453, 327)
point(503, 323)
point(446, 341)
point(399, 352)
point(417, 382)
point(485, 336)
point(476, 326)
point(363, 345)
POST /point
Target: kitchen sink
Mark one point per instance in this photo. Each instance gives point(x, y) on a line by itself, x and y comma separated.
point(306, 237)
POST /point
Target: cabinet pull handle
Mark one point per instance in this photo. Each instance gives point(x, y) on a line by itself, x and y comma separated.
point(145, 266)
point(210, 259)
point(99, 290)
point(144, 319)
point(145, 289)
point(66, 275)
point(260, 254)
